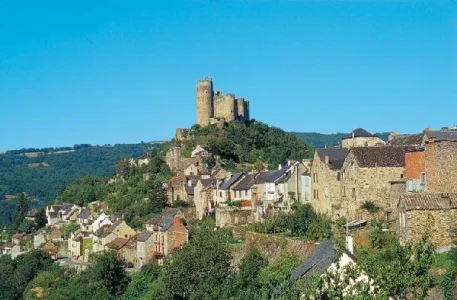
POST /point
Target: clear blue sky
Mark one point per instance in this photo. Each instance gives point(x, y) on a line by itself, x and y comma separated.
point(125, 71)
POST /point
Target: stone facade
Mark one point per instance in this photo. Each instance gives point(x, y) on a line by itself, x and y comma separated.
point(231, 216)
point(359, 137)
point(214, 106)
point(326, 176)
point(368, 174)
point(441, 166)
point(415, 170)
point(422, 212)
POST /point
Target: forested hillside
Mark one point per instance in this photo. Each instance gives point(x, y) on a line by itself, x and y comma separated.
point(252, 143)
point(320, 140)
point(41, 173)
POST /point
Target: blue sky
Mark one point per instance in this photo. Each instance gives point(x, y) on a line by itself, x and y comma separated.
point(125, 71)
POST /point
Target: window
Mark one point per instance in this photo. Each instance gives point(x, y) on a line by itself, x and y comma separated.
point(409, 186)
point(315, 178)
point(220, 194)
point(353, 192)
point(316, 194)
point(326, 191)
point(423, 178)
point(338, 176)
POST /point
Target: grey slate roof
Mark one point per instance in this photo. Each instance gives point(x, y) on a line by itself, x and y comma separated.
point(245, 183)
point(404, 140)
point(359, 132)
point(428, 201)
point(442, 135)
point(189, 189)
point(279, 173)
point(336, 156)
point(228, 183)
point(385, 156)
point(262, 177)
point(209, 182)
point(143, 236)
point(318, 262)
point(84, 214)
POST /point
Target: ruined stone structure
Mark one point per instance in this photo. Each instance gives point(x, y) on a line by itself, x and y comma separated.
point(215, 106)
point(419, 212)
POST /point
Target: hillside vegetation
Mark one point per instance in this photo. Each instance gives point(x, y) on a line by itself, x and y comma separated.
point(253, 142)
point(320, 140)
point(42, 176)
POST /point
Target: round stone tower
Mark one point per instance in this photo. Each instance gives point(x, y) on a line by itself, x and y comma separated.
point(204, 101)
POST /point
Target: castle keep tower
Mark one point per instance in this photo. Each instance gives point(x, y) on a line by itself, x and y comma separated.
point(204, 101)
point(212, 107)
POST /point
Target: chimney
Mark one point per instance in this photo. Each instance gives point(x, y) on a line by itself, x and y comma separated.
point(445, 201)
point(392, 135)
point(350, 244)
point(454, 128)
point(444, 128)
point(426, 129)
point(279, 167)
point(327, 160)
point(353, 134)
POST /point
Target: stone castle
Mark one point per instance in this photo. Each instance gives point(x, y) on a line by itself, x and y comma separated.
point(214, 106)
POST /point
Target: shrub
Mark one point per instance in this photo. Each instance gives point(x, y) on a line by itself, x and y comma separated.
point(370, 206)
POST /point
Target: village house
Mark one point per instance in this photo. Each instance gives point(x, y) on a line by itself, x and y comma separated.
point(31, 214)
point(203, 197)
point(108, 233)
point(432, 212)
point(60, 213)
point(102, 220)
point(144, 248)
point(181, 188)
point(223, 192)
point(368, 173)
point(39, 239)
point(169, 233)
point(125, 248)
point(359, 137)
point(326, 176)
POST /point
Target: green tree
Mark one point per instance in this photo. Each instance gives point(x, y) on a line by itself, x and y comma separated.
point(142, 282)
point(21, 209)
point(40, 219)
point(200, 269)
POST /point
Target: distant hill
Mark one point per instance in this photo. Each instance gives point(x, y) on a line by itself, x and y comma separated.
point(41, 173)
point(320, 140)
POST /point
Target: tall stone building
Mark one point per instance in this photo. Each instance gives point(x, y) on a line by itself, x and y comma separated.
point(214, 106)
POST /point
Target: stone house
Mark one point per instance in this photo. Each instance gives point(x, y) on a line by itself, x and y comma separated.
point(223, 194)
point(17, 238)
point(102, 220)
point(415, 169)
point(85, 216)
point(31, 214)
point(39, 238)
point(11, 249)
point(367, 174)
point(441, 160)
point(125, 249)
point(181, 187)
point(169, 233)
point(109, 233)
point(60, 213)
point(436, 212)
point(192, 169)
point(203, 197)
point(359, 137)
point(144, 248)
point(326, 176)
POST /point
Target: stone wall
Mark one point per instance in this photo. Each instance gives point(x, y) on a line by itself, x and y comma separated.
point(440, 222)
point(174, 159)
point(271, 247)
point(441, 166)
point(367, 184)
point(231, 216)
point(361, 142)
point(325, 182)
point(176, 236)
point(225, 107)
